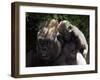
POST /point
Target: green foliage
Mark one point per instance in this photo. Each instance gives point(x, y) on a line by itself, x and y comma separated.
point(33, 21)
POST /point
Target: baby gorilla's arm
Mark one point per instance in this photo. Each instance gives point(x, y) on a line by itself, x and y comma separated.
point(80, 59)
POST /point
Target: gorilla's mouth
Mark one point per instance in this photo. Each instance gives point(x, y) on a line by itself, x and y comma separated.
point(44, 56)
point(43, 53)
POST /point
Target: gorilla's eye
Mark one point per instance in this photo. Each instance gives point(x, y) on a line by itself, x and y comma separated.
point(58, 37)
point(69, 28)
point(46, 42)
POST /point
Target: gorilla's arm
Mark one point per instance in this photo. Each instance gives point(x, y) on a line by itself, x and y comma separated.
point(70, 32)
point(80, 40)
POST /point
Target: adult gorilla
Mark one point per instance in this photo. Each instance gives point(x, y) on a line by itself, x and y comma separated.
point(48, 46)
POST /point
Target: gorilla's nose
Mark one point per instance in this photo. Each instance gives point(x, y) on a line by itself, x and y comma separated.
point(44, 49)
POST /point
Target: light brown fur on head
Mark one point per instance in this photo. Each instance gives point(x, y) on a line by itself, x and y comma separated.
point(49, 30)
point(53, 23)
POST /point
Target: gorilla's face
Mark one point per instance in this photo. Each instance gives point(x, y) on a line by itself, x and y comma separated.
point(48, 50)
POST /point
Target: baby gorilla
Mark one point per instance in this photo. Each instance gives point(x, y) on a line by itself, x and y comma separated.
point(71, 34)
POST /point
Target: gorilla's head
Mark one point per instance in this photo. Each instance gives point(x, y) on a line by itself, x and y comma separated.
point(65, 28)
point(48, 46)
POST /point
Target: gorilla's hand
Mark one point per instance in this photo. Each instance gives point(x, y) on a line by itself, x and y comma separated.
point(80, 59)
